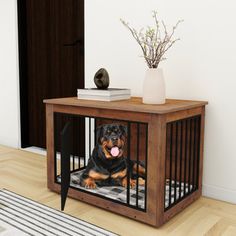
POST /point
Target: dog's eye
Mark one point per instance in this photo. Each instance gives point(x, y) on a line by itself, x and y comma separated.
point(108, 132)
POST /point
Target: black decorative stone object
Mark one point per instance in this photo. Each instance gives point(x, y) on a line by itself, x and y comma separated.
point(101, 79)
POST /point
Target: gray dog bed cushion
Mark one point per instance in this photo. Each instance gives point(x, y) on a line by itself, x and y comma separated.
point(119, 193)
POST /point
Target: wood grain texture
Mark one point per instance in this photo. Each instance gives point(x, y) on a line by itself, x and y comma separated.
point(146, 217)
point(202, 128)
point(51, 69)
point(25, 173)
point(178, 115)
point(134, 104)
point(107, 205)
point(50, 144)
point(156, 118)
point(159, 145)
point(38, 74)
point(102, 113)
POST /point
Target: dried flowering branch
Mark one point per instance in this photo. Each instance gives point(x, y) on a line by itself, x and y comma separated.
point(151, 41)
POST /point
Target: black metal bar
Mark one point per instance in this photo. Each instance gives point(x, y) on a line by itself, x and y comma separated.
point(79, 154)
point(166, 164)
point(194, 154)
point(66, 148)
point(95, 133)
point(137, 181)
point(78, 140)
point(190, 157)
point(176, 158)
point(170, 177)
point(146, 168)
point(73, 154)
point(181, 153)
point(107, 198)
point(73, 162)
point(89, 134)
point(79, 165)
point(55, 148)
point(73, 141)
point(185, 155)
point(128, 165)
point(198, 149)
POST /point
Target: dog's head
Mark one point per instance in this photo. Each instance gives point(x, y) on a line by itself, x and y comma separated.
point(111, 138)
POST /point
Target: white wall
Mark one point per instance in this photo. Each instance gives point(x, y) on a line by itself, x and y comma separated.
point(200, 66)
point(9, 102)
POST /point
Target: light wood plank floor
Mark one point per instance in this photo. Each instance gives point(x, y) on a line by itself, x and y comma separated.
point(25, 173)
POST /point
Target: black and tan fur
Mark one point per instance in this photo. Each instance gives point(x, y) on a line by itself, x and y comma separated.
point(105, 169)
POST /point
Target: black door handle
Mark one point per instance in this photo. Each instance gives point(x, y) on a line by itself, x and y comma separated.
point(77, 41)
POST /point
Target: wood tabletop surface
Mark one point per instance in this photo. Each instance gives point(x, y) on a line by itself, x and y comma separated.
point(134, 104)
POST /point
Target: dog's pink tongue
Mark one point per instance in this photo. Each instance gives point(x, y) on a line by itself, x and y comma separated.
point(115, 151)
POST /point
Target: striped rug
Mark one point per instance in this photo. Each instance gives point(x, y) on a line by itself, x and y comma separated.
point(22, 216)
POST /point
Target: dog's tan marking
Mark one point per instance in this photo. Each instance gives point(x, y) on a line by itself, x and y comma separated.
point(120, 174)
point(141, 181)
point(97, 176)
point(89, 183)
point(104, 145)
point(132, 182)
point(107, 154)
point(141, 170)
point(119, 142)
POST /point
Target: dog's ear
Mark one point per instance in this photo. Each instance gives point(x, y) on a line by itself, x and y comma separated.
point(123, 128)
point(99, 133)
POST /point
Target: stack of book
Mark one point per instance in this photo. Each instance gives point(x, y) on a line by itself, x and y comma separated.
point(110, 94)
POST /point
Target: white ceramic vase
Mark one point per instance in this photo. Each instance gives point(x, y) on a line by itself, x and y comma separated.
point(154, 90)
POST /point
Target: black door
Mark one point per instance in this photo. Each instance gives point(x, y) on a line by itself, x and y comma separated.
point(51, 53)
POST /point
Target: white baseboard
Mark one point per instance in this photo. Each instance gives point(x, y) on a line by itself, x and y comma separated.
point(219, 193)
point(36, 150)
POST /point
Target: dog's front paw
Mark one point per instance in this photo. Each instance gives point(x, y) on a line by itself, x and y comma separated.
point(132, 183)
point(141, 181)
point(91, 186)
point(90, 183)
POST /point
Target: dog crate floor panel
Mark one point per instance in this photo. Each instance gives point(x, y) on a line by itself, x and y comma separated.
point(119, 193)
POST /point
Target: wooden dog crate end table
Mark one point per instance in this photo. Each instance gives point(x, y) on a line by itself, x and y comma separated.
point(175, 136)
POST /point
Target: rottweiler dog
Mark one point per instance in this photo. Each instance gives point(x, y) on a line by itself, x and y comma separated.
point(107, 165)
